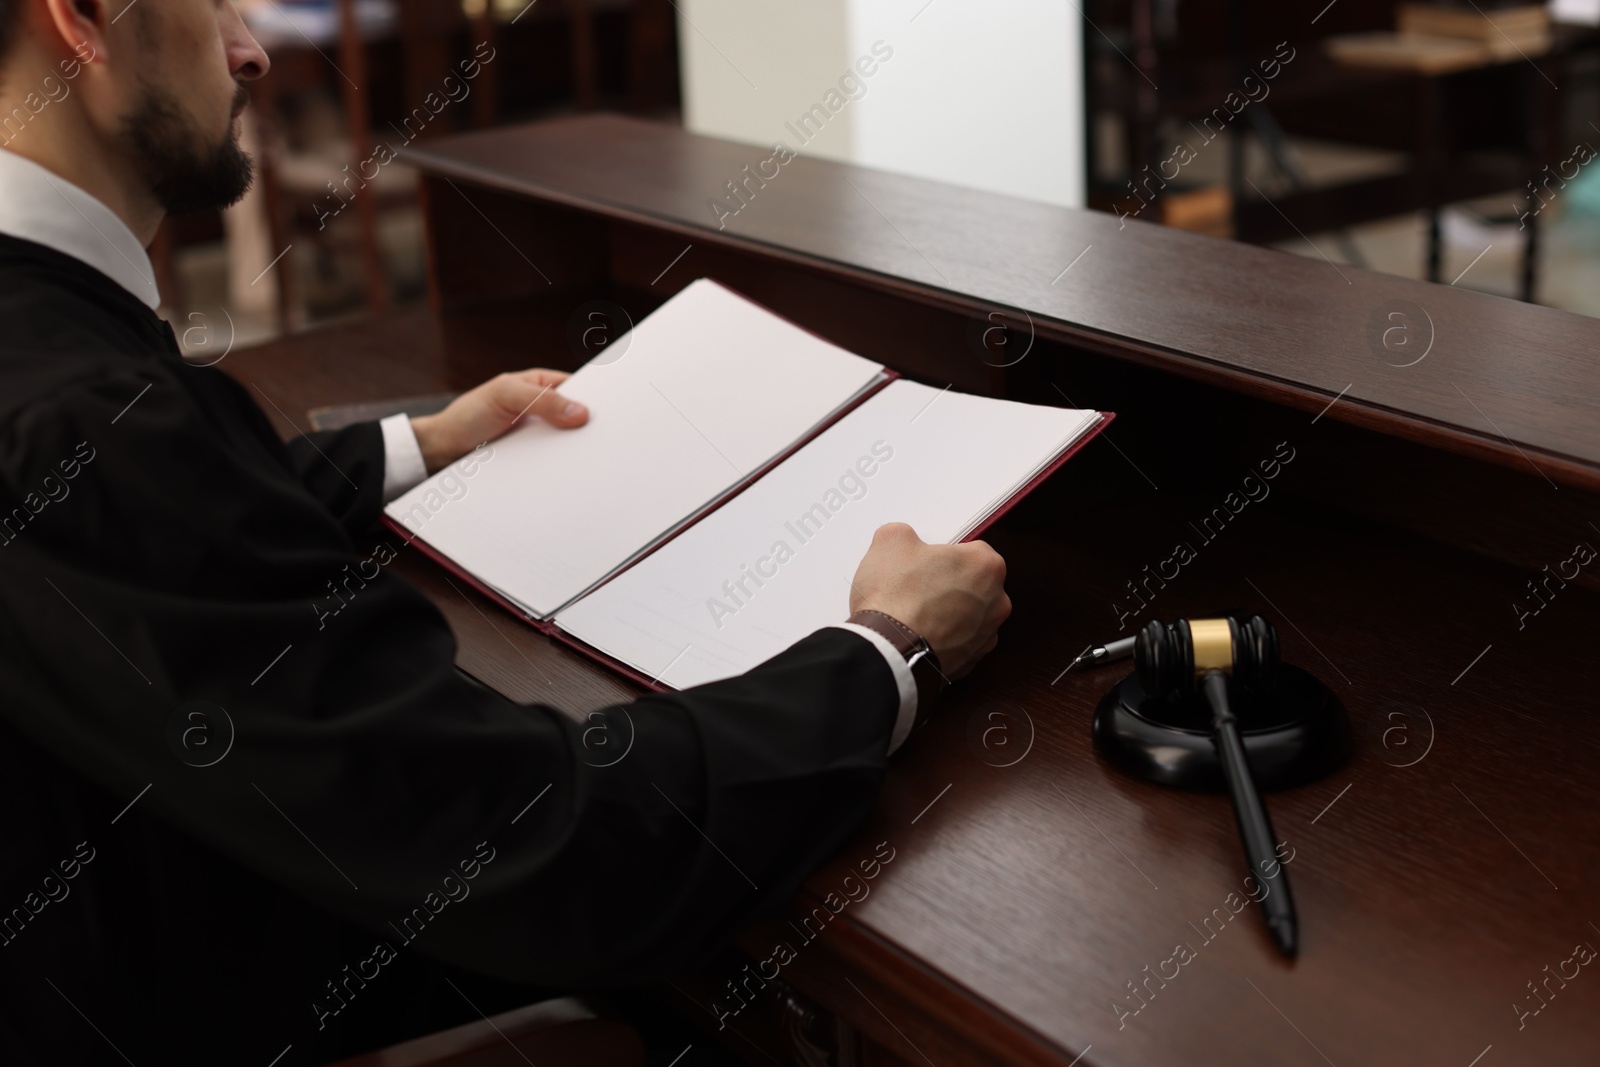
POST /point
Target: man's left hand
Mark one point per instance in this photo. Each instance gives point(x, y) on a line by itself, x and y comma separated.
point(491, 409)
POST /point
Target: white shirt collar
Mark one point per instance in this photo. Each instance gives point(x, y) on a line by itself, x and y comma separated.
point(38, 206)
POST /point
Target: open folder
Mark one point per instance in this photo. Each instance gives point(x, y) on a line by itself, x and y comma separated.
point(718, 501)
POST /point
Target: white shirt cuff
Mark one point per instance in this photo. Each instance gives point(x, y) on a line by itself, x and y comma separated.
point(403, 466)
point(902, 680)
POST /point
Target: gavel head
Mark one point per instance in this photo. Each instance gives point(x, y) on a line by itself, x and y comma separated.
point(1173, 659)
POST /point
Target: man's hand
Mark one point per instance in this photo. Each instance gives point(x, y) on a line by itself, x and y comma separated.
point(953, 595)
point(490, 410)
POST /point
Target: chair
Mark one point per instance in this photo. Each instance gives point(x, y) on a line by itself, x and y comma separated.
point(554, 1033)
point(424, 30)
point(338, 53)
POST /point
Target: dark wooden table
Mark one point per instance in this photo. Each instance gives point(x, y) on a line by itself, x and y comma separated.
point(1438, 873)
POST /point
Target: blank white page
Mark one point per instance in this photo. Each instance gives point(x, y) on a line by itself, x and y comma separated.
point(787, 546)
point(710, 388)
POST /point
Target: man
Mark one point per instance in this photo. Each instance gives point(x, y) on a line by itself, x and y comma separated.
point(366, 822)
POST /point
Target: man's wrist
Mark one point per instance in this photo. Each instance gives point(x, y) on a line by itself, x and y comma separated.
point(403, 463)
point(917, 653)
point(905, 685)
point(436, 453)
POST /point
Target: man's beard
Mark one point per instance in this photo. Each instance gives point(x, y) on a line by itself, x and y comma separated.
point(182, 174)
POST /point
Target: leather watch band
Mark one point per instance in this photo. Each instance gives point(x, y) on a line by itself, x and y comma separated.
point(919, 656)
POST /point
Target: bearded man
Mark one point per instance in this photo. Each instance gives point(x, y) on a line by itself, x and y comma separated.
point(376, 839)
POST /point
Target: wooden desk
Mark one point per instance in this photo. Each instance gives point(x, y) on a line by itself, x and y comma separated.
point(1436, 874)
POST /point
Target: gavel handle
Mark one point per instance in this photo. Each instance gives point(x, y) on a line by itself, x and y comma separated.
point(1254, 828)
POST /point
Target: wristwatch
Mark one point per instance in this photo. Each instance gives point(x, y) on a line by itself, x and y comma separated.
point(919, 655)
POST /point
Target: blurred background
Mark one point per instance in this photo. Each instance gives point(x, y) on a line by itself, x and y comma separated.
point(1441, 140)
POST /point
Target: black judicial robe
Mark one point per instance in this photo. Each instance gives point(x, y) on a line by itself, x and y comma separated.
point(367, 822)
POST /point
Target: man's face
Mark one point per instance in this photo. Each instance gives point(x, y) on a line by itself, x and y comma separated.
point(182, 130)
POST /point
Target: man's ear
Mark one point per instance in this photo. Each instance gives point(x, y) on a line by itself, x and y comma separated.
point(82, 26)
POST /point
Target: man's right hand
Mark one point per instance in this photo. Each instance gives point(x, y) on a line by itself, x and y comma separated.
point(953, 595)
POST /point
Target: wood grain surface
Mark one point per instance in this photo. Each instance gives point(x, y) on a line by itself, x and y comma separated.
point(1436, 874)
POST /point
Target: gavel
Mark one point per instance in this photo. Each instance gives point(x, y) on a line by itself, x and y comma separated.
point(1202, 655)
point(1176, 659)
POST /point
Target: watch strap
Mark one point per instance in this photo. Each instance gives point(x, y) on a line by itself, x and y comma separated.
point(919, 656)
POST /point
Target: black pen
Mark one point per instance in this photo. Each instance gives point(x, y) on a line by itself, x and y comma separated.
point(1254, 828)
point(1109, 652)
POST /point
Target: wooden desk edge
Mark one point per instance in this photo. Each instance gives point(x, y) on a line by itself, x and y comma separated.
point(1573, 471)
point(1004, 1037)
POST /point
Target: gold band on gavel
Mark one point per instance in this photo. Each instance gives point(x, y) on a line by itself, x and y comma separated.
point(1213, 645)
